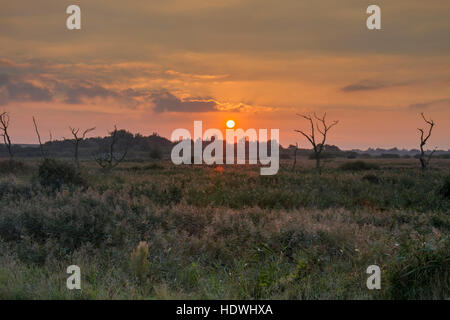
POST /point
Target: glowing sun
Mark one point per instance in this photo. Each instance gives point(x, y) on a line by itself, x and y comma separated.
point(230, 124)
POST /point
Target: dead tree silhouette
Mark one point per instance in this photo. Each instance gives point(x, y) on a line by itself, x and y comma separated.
point(424, 159)
point(108, 160)
point(295, 156)
point(4, 124)
point(44, 154)
point(76, 141)
point(317, 146)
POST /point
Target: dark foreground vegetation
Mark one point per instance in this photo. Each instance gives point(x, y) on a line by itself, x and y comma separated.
point(155, 230)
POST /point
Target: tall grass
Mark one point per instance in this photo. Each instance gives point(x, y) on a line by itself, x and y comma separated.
point(197, 232)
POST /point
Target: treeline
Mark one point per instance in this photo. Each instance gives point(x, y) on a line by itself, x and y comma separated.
point(155, 146)
point(122, 143)
point(136, 145)
point(332, 151)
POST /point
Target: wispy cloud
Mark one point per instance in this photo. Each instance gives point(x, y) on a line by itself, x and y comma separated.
point(166, 102)
point(16, 89)
point(140, 86)
point(429, 104)
point(366, 85)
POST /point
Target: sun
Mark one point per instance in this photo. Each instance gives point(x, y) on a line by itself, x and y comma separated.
point(230, 124)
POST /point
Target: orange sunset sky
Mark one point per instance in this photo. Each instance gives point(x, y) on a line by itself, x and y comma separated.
point(154, 66)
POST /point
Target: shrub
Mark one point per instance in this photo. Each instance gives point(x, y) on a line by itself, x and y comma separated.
point(31, 252)
point(54, 174)
point(389, 156)
point(323, 155)
point(139, 263)
point(12, 166)
point(407, 182)
point(285, 156)
point(371, 178)
point(421, 272)
point(10, 188)
point(153, 166)
point(75, 220)
point(358, 166)
point(445, 189)
point(156, 153)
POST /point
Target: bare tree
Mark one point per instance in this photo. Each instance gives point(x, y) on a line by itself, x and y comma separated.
point(4, 124)
point(109, 160)
point(77, 139)
point(41, 146)
point(322, 127)
point(295, 156)
point(424, 159)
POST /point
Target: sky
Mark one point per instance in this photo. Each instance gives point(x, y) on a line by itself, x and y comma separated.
point(155, 66)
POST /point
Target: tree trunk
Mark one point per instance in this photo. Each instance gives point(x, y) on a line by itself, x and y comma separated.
point(295, 158)
point(76, 154)
point(423, 163)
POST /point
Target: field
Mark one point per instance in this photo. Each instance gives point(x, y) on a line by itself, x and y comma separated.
point(152, 230)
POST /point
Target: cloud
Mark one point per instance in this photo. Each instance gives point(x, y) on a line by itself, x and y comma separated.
point(16, 89)
point(166, 101)
point(366, 85)
point(45, 89)
point(363, 86)
point(99, 84)
point(232, 26)
point(429, 104)
point(76, 94)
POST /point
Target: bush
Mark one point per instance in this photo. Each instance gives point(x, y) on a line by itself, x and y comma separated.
point(352, 155)
point(10, 188)
point(12, 166)
point(285, 156)
point(156, 153)
point(358, 166)
point(371, 178)
point(323, 155)
point(153, 166)
point(420, 273)
point(139, 261)
point(390, 156)
point(445, 189)
point(55, 174)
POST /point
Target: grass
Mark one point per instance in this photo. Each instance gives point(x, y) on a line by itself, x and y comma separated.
point(159, 231)
point(358, 166)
